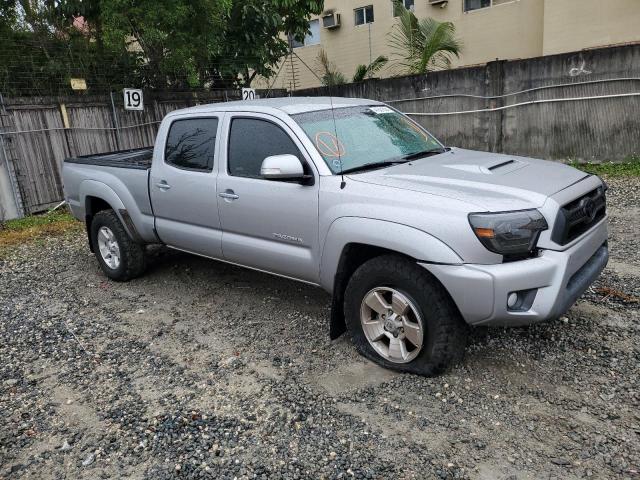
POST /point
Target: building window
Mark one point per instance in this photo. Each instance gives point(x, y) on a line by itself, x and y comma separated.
point(312, 38)
point(476, 4)
point(364, 15)
point(408, 4)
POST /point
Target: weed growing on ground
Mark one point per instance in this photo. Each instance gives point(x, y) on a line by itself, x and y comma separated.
point(36, 227)
point(629, 168)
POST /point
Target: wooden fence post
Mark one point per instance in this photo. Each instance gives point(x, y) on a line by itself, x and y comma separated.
point(66, 125)
point(115, 121)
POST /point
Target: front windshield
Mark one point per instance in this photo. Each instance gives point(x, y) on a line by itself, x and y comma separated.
point(366, 135)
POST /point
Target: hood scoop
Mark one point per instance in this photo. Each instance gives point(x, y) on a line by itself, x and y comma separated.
point(504, 166)
point(499, 167)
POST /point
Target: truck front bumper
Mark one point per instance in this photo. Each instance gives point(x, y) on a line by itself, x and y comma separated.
point(546, 286)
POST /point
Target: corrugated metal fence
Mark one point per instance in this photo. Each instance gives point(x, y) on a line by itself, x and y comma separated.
point(51, 129)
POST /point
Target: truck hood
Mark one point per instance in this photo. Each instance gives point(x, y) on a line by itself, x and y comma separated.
point(489, 181)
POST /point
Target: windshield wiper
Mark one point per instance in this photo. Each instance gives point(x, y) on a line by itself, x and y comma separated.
point(396, 161)
point(372, 165)
point(424, 153)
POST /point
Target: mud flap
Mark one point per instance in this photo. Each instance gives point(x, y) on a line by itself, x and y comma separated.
point(87, 221)
point(337, 326)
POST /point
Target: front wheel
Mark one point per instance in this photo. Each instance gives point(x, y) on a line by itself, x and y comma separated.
point(120, 258)
point(400, 317)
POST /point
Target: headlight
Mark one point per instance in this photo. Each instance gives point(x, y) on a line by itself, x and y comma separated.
point(508, 233)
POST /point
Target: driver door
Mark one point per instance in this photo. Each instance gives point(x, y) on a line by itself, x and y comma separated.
point(267, 224)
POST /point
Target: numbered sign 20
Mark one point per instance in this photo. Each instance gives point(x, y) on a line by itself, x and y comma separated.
point(133, 99)
point(248, 94)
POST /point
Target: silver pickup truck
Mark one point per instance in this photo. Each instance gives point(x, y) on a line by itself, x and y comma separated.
point(415, 241)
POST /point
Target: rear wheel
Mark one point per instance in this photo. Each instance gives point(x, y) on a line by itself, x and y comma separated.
point(120, 258)
point(399, 316)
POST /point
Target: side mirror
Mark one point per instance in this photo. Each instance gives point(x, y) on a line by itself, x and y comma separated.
point(282, 167)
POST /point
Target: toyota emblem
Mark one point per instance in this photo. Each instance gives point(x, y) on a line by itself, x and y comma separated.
point(589, 209)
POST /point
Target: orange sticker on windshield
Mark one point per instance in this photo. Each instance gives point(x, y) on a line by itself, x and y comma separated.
point(329, 146)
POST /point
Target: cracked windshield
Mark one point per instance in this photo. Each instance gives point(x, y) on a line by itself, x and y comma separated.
point(367, 137)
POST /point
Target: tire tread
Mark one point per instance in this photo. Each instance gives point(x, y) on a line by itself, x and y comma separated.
point(450, 333)
point(134, 258)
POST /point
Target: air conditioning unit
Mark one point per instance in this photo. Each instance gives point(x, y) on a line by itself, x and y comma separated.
point(442, 3)
point(331, 20)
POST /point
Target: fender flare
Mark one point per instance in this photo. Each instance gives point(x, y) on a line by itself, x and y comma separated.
point(384, 234)
point(94, 188)
point(392, 236)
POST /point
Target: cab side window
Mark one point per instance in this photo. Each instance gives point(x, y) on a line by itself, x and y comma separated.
point(252, 140)
point(191, 144)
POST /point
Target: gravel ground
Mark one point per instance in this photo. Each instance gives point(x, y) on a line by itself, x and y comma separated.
point(204, 370)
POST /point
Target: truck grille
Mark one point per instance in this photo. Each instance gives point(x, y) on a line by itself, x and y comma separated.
point(578, 216)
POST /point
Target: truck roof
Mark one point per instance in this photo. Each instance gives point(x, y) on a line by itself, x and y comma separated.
point(289, 105)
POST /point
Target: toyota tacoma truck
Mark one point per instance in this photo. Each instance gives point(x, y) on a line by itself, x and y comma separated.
point(415, 241)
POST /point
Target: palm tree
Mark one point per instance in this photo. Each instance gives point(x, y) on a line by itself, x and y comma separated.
point(367, 71)
point(330, 75)
point(423, 45)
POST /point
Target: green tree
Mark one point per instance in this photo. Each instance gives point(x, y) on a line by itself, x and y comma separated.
point(164, 44)
point(208, 42)
point(423, 45)
point(175, 40)
point(255, 39)
point(42, 49)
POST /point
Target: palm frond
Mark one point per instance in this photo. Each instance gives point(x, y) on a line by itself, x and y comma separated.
point(330, 75)
point(421, 46)
point(361, 73)
point(367, 71)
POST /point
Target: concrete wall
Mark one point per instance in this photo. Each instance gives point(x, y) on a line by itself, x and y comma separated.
point(597, 130)
point(510, 29)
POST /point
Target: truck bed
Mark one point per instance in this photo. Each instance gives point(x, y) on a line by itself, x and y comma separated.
point(139, 159)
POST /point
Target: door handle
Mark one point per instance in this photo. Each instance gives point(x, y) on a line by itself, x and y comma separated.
point(163, 185)
point(228, 195)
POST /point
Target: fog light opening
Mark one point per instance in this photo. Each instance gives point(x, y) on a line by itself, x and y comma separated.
point(522, 300)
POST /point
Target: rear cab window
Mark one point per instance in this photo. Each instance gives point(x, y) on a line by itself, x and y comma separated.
point(191, 144)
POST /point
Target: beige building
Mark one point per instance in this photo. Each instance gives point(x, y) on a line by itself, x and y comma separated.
point(489, 30)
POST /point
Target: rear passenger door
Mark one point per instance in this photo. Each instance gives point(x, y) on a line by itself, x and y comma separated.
point(269, 225)
point(182, 186)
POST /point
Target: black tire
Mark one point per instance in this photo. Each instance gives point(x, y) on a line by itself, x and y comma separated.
point(445, 335)
point(132, 254)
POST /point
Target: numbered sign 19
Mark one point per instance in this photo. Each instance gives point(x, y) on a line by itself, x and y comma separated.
point(248, 94)
point(133, 99)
